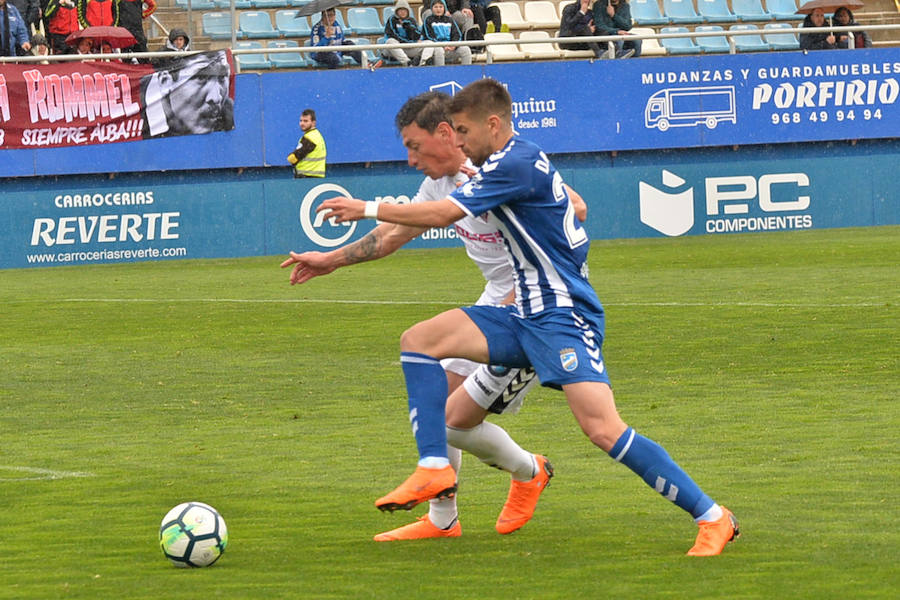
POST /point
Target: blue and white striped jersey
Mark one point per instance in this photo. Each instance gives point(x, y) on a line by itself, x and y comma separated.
point(519, 191)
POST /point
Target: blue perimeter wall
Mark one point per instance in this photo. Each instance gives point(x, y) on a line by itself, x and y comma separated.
point(182, 198)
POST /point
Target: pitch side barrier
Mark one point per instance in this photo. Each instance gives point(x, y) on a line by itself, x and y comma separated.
point(567, 106)
point(92, 219)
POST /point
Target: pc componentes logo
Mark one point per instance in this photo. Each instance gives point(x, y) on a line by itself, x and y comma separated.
point(317, 227)
point(734, 204)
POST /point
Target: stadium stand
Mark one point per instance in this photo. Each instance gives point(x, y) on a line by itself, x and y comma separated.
point(716, 11)
point(217, 25)
point(364, 20)
point(266, 4)
point(748, 43)
point(503, 51)
point(539, 50)
point(256, 25)
point(238, 4)
point(649, 47)
point(645, 12)
point(541, 14)
point(286, 60)
point(681, 11)
point(251, 61)
point(783, 10)
point(289, 25)
point(780, 40)
point(750, 10)
point(712, 44)
point(511, 16)
point(684, 45)
point(196, 5)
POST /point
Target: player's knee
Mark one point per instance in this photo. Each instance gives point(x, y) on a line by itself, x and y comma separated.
point(604, 434)
point(414, 340)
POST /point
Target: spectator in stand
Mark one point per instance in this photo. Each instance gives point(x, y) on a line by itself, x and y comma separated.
point(578, 20)
point(482, 12)
point(30, 11)
point(97, 12)
point(327, 32)
point(178, 40)
point(14, 37)
point(402, 28)
point(817, 41)
point(461, 14)
point(849, 39)
point(131, 17)
point(440, 27)
point(40, 47)
point(613, 17)
point(60, 20)
point(85, 46)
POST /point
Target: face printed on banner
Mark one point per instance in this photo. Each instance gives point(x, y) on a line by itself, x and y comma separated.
point(198, 94)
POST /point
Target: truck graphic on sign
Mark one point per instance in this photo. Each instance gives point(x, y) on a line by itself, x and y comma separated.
point(687, 107)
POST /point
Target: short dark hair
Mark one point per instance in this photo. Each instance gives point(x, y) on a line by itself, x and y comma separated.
point(483, 98)
point(308, 112)
point(427, 110)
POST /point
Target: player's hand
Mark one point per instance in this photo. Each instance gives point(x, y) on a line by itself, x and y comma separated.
point(307, 265)
point(343, 209)
point(467, 170)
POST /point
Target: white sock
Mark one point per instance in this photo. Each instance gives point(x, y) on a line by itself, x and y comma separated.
point(433, 462)
point(713, 514)
point(493, 446)
point(442, 511)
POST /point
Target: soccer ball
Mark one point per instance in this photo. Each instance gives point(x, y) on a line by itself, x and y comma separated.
point(193, 534)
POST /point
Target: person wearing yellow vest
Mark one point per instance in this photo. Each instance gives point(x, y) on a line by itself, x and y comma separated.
point(309, 157)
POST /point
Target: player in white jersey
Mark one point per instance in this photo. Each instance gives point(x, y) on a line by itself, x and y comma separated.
point(557, 324)
point(476, 389)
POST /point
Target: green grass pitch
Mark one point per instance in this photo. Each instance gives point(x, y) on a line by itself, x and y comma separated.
point(767, 365)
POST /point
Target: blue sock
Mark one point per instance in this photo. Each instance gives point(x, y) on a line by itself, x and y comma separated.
point(654, 465)
point(426, 385)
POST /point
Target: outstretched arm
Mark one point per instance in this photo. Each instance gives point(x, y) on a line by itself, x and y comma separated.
point(439, 213)
point(381, 241)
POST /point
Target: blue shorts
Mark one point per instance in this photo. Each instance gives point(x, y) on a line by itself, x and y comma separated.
point(562, 345)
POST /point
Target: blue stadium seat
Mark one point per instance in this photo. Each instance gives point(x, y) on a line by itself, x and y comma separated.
point(748, 43)
point(783, 10)
point(712, 44)
point(290, 25)
point(256, 24)
point(251, 61)
point(683, 45)
point(386, 13)
point(270, 3)
point(681, 11)
point(217, 25)
point(370, 54)
point(238, 4)
point(196, 4)
point(364, 20)
point(299, 3)
point(645, 12)
point(750, 10)
point(286, 60)
point(778, 40)
point(716, 11)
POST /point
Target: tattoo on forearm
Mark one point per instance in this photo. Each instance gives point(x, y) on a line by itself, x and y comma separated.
point(363, 250)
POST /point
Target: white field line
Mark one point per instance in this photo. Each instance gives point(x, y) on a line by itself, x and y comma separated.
point(462, 303)
point(38, 474)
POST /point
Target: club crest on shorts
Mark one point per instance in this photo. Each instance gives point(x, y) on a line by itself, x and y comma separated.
point(568, 358)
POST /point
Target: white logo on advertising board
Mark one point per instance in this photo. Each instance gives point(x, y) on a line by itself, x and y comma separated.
point(313, 223)
point(728, 202)
point(688, 107)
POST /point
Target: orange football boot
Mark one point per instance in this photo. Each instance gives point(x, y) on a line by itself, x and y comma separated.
point(424, 484)
point(422, 529)
point(713, 535)
point(523, 498)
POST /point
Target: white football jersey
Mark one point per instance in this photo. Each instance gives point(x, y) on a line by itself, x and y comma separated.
point(484, 242)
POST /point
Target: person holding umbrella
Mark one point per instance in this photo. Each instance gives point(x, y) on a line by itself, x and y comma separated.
point(327, 32)
point(817, 40)
point(850, 39)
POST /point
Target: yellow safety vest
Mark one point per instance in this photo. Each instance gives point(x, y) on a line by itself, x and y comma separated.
point(313, 164)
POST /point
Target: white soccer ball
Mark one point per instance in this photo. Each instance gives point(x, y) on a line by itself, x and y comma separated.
point(193, 534)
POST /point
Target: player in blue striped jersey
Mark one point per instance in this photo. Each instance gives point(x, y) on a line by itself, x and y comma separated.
point(556, 325)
